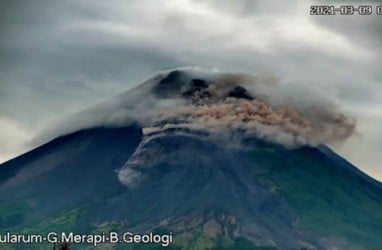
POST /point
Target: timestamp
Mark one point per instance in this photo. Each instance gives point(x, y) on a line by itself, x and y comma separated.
point(344, 10)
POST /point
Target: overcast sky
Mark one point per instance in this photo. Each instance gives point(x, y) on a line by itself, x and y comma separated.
point(58, 57)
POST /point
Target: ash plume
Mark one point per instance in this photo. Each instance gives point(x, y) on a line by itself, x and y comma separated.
point(222, 104)
point(256, 106)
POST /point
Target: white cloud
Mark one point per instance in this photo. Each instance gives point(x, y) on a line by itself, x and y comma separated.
point(14, 138)
point(121, 42)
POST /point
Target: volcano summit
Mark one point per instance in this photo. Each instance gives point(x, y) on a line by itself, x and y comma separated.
point(221, 160)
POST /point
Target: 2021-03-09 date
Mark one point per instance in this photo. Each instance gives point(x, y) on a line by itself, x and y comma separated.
point(364, 10)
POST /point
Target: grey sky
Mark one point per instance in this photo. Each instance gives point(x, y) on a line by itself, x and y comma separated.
point(58, 57)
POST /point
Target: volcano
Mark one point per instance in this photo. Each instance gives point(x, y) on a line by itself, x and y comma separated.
point(219, 164)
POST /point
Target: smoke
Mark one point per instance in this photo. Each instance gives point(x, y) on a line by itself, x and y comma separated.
point(290, 114)
point(283, 124)
point(224, 105)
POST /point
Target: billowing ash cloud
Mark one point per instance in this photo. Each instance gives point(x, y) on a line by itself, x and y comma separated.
point(224, 105)
point(227, 104)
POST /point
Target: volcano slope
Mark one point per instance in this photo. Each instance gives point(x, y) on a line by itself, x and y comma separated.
point(187, 166)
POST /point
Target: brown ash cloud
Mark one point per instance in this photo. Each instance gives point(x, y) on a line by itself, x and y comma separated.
point(225, 105)
point(255, 105)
